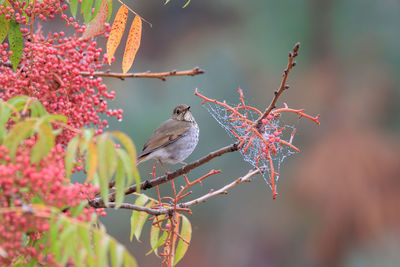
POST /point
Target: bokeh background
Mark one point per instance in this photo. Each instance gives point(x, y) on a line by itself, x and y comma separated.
point(339, 199)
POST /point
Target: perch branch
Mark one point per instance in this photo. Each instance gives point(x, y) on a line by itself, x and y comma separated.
point(183, 206)
point(147, 184)
point(140, 208)
point(158, 75)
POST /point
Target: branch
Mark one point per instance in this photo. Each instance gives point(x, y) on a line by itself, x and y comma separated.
point(159, 75)
point(140, 208)
point(222, 190)
point(147, 184)
point(282, 87)
point(181, 206)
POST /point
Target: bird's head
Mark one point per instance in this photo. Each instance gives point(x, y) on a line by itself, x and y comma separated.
point(182, 113)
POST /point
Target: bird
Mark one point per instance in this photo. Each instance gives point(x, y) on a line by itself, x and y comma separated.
point(174, 140)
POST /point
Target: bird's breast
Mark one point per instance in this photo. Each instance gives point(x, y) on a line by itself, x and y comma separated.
point(183, 147)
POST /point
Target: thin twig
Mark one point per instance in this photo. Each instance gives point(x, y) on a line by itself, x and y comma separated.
point(122, 3)
point(158, 75)
point(283, 85)
point(181, 206)
point(222, 190)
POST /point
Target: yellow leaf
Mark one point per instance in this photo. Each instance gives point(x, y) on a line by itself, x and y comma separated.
point(92, 161)
point(132, 44)
point(97, 24)
point(117, 30)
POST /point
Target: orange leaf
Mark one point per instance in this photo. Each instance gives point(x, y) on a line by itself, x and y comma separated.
point(117, 30)
point(97, 24)
point(132, 44)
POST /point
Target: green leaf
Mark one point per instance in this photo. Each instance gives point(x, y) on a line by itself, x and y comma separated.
point(84, 238)
point(186, 233)
point(68, 229)
point(154, 232)
point(48, 118)
point(137, 179)
point(4, 26)
point(130, 147)
point(87, 137)
point(123, 155)
point(129, 261)
point(91, 160)
point(116, 254)
point(84, 243)
point(109, 10)
point(87, 134)
point(103, 166)
point(119, 184)
point(111, 156)
point(141, 220)
point(187, 3)
point(75, 211)
point(16, 135)
point(127, 143)
point(18, 102)
point(86, 10)
point(54, 234)
point(159, 243)
point(101, 243)
point(37, 109)
point(5, 114)
point(97, 4)
point(67, 241)
point(96, 24)
point(73, 5)
point(70, 155)
point(44, 143)
point(140, 201)
point(16, 43)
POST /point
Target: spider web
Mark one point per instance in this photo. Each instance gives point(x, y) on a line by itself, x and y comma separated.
point(252, 154)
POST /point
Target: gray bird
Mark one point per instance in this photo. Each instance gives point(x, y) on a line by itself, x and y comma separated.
point(174, 140)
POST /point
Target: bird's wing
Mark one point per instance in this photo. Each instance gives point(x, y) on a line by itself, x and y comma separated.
point(167, 133)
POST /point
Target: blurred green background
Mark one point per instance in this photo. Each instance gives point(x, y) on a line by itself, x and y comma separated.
point(338, 202)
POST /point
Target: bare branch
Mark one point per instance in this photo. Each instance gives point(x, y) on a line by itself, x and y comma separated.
point(222, 190)
point(147, 184)
point(140, 208)
point(283, 86)
point(147, 74)
point(158, 75)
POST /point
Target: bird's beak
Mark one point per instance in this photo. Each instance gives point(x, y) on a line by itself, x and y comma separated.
point(188, 108)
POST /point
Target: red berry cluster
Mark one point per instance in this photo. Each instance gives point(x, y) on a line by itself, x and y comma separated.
point(20, 183)
point(22, 11)
point(51, 71)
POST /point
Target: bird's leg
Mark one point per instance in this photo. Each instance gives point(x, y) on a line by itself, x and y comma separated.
point(183, 163)
point(166, 171)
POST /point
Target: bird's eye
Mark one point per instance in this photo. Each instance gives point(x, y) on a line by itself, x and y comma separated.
point(178, 111)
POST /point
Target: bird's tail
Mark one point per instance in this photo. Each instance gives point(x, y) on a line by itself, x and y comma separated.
point(140, 159)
